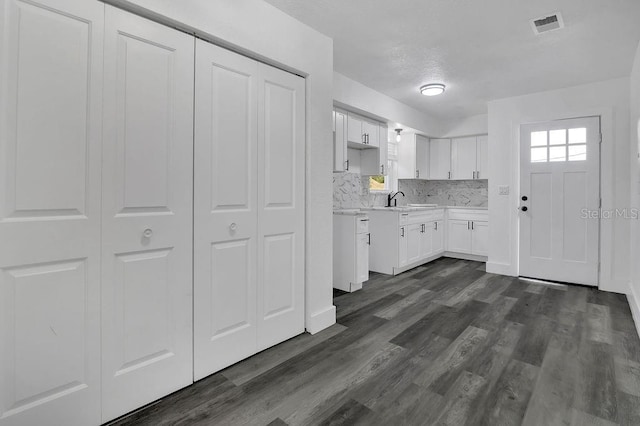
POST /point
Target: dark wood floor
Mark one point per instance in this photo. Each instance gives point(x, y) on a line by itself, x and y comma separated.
point(446, 344)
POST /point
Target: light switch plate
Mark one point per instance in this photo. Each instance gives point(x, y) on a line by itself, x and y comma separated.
point(503, 190)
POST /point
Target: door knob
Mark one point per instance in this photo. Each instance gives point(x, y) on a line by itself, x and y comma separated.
point(524, 208)
point(147, 233)
point(233, 227)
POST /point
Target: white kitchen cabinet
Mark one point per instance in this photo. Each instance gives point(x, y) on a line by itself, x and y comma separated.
point(383, 132)
point(340, 158)
point(468, 231)
point(437, 237)
point(371, 129)
point(362, 131)
point(463, 158)
point(413, 157)
point(482, 149)
point(402, 240)
point(479, 238)
point(440, 159)
point(362, 258)
point(459, 236)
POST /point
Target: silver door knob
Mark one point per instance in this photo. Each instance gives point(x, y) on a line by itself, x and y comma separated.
point(233, 227)
point(148, 233)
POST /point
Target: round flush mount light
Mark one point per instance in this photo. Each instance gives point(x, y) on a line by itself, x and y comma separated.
point(433, 89)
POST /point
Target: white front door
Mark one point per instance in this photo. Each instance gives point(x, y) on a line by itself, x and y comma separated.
point(50, 161)
point(559, 189)
point(147, 212)
point(281, 210)
point(225, 209)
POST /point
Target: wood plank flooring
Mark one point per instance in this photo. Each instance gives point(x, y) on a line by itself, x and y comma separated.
point(442, 344)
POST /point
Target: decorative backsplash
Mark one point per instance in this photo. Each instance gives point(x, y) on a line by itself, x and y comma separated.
point(351, 191)
point(473, 193)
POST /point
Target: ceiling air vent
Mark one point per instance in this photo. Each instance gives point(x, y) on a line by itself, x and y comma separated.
point(547, 23)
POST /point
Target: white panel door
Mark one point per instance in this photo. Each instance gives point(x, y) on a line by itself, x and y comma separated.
point(50, 160)
point(147, 212)
point(480, 238)
point(362, 257)
point(225, 212)
point(371, 130)
point(459, 239)
point(482, 157)
point(463, 158)
point(437, 236)
point(426, 242)
point(559, 200)
point(281, 173)
point(440, 159)
point(355, 130)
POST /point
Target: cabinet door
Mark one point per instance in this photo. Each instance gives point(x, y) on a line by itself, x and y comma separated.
point(440, 159)
point(463, 158)
point(422, 157)
point(480, 238)
point(147, 212)
point(437, 230)
point(371, 130)
point(414, 240)
point(384, 149)
point(362, 257)
point(339, 141)
point(225, 212)
point(459, 236)
point(403, 239)
point(281, 235)
point(50, 171)
point(426, 243)
point(355, 131)
point(482, 149)
point(407, 157)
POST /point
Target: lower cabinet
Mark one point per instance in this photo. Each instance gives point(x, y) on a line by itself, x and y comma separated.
point(468, 232)
point(414, 243)
point(362, 257)
point(437, 236)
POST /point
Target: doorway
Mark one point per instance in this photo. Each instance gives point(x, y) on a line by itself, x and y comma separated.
point(560, 200)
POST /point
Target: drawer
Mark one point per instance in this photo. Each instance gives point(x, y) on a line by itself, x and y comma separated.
point(362, 225)
point(467, 214)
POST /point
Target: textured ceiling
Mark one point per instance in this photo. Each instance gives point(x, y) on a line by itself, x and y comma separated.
point(482, 50)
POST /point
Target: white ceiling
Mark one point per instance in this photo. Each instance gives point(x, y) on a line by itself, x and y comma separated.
point(481, 49)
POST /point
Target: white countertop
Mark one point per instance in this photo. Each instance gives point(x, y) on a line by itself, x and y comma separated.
point(349, 212)
point(413, 208)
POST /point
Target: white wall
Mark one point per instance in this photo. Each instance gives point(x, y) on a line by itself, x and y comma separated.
point(356, 96)
point(469, 126)
point(634, 295)
point(609, 99)
point(259, 30)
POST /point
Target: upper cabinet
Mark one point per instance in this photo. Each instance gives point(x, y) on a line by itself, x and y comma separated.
point(469, 157)
point(340, 161)
point(440, 159)
point(361, 131)
point(383, 132)
point(482, 149)
point(413, 157)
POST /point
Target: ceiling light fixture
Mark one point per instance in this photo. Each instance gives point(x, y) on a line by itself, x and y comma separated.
point(398, 138)
point(432, 89)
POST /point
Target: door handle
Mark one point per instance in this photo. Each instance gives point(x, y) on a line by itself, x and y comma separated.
point(524, 208)
point(147, 233)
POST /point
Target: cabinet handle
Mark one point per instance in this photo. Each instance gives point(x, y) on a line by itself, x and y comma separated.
point(369, 242)
point(468, 225)
point(478, 174)
point(402, 229)
point(474, 175)
point(449, 175)
point(347, 165)
point(417, 174)
point(382, 169)
point(436, 223)
point(422, 228)
point(472, 226)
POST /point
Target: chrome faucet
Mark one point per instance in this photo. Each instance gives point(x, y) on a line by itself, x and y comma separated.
point(391, 198)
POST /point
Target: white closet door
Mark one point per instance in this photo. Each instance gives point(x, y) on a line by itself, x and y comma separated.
point(50, 142)
point(147, 212)
point(225, 213)
point(281, 174)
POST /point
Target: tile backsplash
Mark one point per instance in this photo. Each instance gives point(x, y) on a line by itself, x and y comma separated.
point(350, 190)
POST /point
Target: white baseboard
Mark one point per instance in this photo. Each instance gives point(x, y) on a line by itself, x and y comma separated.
point(634, 304)
point(465, 256)
point(500, 269)
point(321, 320)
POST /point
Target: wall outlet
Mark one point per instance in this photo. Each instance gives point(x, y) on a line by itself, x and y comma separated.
point(503, 190)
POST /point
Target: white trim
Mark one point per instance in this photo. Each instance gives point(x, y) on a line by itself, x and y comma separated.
point(500, 268)
point(321, 320)
point(464, 256)
point(634, 304)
